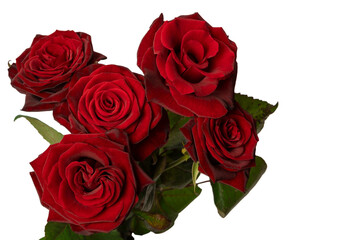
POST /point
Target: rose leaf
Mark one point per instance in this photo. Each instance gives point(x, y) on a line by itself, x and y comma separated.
point(260, 110)
point(136, 225)
point(62, 231)
point(113, 235)
point(169, 203)
point(47, 132)
point(53, 230)
point(67, 234)
point(173, 201)
point(155, 222)
point(176, 138)
point(227, 197)
point(177, 177)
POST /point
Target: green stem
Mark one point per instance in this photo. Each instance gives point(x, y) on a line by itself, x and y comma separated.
point(191, 184)
point(154, 158)
point(203, 182)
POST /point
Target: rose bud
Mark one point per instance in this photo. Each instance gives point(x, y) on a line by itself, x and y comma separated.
point(89, 181)
point(189, 66)
point(105, 97)
point(224, 147)
point(43, 71)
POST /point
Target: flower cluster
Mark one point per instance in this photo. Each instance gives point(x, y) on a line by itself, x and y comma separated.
point(123, 125)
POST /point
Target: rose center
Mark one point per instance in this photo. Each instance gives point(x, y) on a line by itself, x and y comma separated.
point(55, 55)
point(231, 130)
point(86, 178)
point(94, 184)
point(108, 102)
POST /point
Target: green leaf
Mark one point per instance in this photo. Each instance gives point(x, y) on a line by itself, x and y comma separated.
point(114, 235)
point(176, 121)
point(169, 203)
point(178, 176)
point(47, 132)
point(62, 231)
point(53, 230)
point(155, 222)
point(227, 197)
point(195, 173)
point(68, 234)
point(260, 110)
point(173, 201)
point(176, 138)
point(137, 226)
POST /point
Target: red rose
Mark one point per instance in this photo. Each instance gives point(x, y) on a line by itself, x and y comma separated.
point(89, 181)
point(43, 71)
point(224, 147)
point(190, 67)
point(105, 97)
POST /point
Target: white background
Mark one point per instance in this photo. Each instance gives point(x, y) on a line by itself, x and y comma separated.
point(303, 54)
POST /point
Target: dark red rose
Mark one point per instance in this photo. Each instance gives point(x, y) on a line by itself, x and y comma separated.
point(190, 67)
point(224, 147)
point(89, 181)
point(43, 71)
point(105, 97)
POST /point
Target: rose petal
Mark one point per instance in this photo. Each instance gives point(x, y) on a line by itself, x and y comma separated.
point(238, 182)
point(147, 41)
point(157, 138)
point(156, 91)
point(204, 106)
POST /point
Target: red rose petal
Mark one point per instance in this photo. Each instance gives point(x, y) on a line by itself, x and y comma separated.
point(143, 125)
point(156, 91)
point(219, 33)
point(55, 217)
point(173, 31)
point(175, 79)
point(157, 138)
point(12, 71)
point(222, 64)
point(209, 106)
point(195, 16)
point(238, 182)
point(209, 46)
point(33, 103)
point(37, 184)
point(147, 41)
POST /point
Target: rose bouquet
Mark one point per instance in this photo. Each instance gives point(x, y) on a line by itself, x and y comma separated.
point(138, 143)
